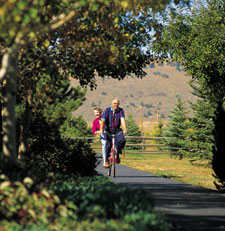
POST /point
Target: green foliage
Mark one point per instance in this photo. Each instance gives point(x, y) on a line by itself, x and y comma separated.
point(77, 39)
point(146, 221)
point(197, 40)
point(132, 127)
point(92, 198)
point(80, 51)
point(75, 127)
point(47, 90)
point(14, 226)
point(49, 98)
point(176, 131)
point(49, 152)
point(158, 130)
point(201, 131)
point(21, 204)
point(133, 130)
point(86, 204)
point(68, 225)
point(99, 198)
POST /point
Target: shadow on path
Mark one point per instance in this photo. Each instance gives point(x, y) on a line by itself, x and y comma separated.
point(190, 208)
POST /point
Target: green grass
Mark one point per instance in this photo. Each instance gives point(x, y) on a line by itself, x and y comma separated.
point(199, 174)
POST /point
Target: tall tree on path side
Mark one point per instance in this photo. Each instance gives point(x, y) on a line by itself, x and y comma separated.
point(196, 39)
point(175, 133)
point(201, 131)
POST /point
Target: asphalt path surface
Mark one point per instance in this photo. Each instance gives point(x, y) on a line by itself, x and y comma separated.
point(188, 207)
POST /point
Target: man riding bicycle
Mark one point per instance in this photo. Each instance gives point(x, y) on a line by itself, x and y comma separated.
point(113, 117)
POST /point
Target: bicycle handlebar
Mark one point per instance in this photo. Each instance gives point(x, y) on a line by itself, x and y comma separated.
point(112, 135)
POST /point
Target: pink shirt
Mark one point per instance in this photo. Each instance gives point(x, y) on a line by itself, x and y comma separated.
point(96, 125)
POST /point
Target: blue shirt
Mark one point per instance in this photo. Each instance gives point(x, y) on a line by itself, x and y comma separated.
point(113, 118)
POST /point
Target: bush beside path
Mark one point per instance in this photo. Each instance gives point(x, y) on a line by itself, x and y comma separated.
point(77, 203)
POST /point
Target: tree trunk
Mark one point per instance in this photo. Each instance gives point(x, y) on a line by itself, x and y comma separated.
point(25, 125)
point(219, 148)
point(8, 75)
point(1, 102)
point(8, 123)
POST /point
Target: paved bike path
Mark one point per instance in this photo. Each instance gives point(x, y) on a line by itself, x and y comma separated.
point(189, 208)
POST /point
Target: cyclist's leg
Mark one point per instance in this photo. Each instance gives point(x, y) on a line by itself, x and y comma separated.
point(103, 151)
point(107, 151)
point(119, 143)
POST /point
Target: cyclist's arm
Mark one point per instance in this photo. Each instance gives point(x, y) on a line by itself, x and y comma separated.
point(124, 125)
point(102, 126)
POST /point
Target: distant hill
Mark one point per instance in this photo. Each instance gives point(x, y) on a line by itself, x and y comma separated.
point(145, 99)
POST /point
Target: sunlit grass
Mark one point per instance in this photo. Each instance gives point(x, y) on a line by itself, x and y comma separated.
point(198, 174)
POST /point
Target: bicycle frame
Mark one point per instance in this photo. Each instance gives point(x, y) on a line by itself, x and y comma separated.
point(112, 161)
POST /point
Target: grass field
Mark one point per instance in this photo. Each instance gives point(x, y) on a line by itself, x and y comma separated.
point(198, 174)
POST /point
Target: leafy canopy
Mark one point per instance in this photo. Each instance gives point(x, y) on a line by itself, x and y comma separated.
point(197, 40)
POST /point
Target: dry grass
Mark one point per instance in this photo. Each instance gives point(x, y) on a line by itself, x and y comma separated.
point(199, 173)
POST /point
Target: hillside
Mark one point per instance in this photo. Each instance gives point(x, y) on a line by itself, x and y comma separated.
point(145, 99)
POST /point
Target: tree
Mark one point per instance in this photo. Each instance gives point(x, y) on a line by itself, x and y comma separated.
point(201, 131)
point(47, 23)
point(176, 131)
point(20, 22)
point(46, 92)
point(75, 127)
point(50, 152)
point(158, 130)
point(133, 130)
point(197, 40)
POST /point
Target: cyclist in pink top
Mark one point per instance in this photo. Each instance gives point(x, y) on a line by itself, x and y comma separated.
point(97, 112)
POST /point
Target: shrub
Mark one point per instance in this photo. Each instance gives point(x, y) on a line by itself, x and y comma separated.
point(97, 197)
point(71, 225)
point(49, 152)
point(87, 204)
point(25, 206)
point(91, 193)
point(146, 221)
point(75, 127)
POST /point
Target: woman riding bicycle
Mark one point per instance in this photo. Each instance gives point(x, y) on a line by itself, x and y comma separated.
point(97, 112)
point(113, 117)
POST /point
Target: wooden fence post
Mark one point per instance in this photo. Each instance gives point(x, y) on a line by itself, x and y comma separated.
point(143, 142)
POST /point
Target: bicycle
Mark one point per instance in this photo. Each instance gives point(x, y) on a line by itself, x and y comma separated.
point(113, 155)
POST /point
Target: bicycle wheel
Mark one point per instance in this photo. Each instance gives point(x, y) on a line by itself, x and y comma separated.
point(113, 164)
point(109, 170)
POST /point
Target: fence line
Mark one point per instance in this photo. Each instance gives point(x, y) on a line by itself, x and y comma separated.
point(127, 137)
point(143, 144)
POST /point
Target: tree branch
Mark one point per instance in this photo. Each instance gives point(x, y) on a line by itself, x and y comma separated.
point(60, 20)
point(53, 25)
point(11, 51)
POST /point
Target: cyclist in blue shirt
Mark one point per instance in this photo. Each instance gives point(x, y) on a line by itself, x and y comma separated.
point(113, 117)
